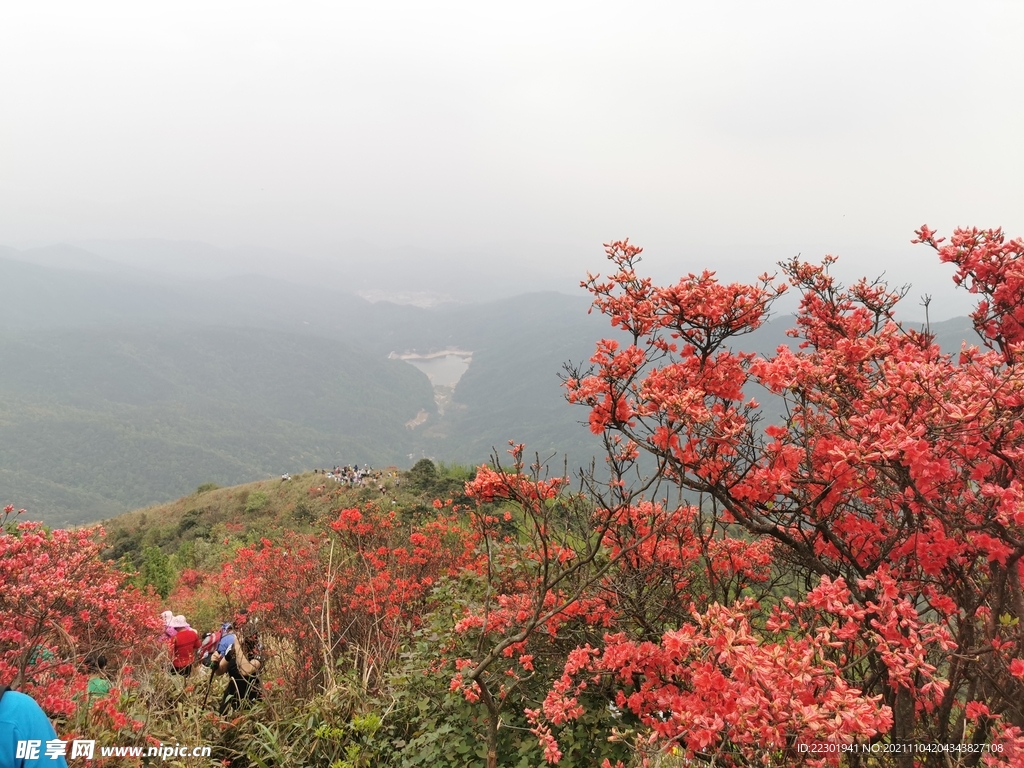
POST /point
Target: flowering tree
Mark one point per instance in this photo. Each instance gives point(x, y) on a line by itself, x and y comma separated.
point(60, 605)
point(544, 556)
point(890, 496)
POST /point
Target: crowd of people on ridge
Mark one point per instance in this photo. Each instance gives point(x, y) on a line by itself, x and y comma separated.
point(352, 476)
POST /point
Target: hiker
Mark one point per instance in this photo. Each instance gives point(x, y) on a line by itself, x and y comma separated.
point(242, 664)
point(168, 617)
point(228, 634)
point(207, 653)
point(24, 724)
point(40, 666)
point(224, 643)
point(184, 645)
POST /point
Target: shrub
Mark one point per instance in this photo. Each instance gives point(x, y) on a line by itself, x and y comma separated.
point(61, 604)
point(257, 500)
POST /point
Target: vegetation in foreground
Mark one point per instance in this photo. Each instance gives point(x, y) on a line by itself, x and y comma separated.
point(849, 574)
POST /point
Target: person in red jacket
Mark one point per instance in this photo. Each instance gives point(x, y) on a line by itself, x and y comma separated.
point(184, 645)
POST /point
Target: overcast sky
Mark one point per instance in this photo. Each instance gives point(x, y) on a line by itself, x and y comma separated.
point(726, 135)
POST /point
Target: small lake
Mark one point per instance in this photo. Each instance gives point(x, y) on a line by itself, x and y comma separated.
point(444, 370)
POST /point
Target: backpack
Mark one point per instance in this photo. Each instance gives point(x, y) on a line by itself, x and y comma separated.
point(208, 646)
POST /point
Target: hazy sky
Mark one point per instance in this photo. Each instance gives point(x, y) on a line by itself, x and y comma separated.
point(728, 135)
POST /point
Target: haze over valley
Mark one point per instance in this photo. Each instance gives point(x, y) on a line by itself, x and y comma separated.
point(124, 385)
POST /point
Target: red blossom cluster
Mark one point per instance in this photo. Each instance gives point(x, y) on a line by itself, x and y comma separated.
point(359, 589)
point(990, 266)
point(61, 606)
point(896, 472)
point(489, 486)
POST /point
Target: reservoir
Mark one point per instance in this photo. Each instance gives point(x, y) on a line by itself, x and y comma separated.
point(444, 369)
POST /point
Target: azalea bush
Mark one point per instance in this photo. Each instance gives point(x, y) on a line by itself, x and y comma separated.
point(61, 607)
point(891, 490)
point(347, 595)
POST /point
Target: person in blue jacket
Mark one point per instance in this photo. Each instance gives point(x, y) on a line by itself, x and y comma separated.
point(227, 638)
point(22, 720)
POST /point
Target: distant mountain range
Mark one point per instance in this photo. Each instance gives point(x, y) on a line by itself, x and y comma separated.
point(127, 384)
point(404, 275)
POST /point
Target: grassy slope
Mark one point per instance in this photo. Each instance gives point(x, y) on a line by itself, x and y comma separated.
point(214, 520)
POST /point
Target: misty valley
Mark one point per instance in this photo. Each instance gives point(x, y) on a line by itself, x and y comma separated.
point(121, 388)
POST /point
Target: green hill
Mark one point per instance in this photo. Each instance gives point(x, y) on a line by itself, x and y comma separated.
point(117, 391)
point(201, 528)
point(92, 423)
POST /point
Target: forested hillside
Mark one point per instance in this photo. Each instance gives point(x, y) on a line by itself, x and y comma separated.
point(95, 422)
point(121, 387)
